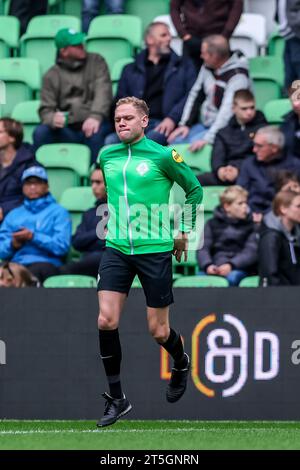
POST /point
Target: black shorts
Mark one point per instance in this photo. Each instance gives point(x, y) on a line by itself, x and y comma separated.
point(117, 271)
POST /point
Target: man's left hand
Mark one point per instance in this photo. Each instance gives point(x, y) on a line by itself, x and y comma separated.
point(23, 235)
point(180, 246)
point(197, 145)
point(166, 126)
point(224, 269)
point(90, 126)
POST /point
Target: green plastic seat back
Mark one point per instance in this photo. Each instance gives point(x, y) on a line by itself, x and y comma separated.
point(271, 67)
point(22, 78)
point(127, 27)
point(275, 110)
point(201, 281)
point(70, 280)
point(265, 90)
point(200, 161)
point(147, 10)
point(276, 45)
point(9, 34)
point(38, 41)
point(67, 165)
point(27, 113)
point(250, 281)
point(112, 49)
point(117, 69)
point(77, 200)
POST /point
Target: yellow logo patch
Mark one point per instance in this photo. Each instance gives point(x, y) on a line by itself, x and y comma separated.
point(178, 158)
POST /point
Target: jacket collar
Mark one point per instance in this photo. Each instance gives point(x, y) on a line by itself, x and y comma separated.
point(37, 205)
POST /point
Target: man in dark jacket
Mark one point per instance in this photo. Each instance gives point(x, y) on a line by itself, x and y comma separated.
point(258, 174)
point(234, 143)
point(230, 243)
point(15, 157)
point(195, 19)
point(162, 79)
point(291, 125)
point(87, 238)
point(75, 97)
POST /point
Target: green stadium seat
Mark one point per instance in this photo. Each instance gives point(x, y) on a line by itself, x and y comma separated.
point(267, 73)
point(114, 37)
point(201, 281)
point(38, 41)
point(70, 280)
point(275, 110)
point(27, 113)
point(67, 165)
point(250, 281)
point(22, 79)
point(147, 10)
point(276, 45)
point(117, 71)
point(200, 161)
point(72, 7)
point(77, 200)
point(211, 199)
point(9, 35)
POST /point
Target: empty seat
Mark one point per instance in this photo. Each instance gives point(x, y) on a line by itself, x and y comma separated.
point(201, 281)
point(276, 109)
point(77, 200)
point(67, 165)
point(250, 34)
point(22, 79)
point(267, 74)
point(147, 10)
point(250, 281)
point(9, 34)
point(27, 113)
point(38, 41)
point(114, 37)
point(70, 280)
point(200, 161)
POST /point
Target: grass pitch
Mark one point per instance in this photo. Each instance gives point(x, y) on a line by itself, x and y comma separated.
point(149, 435)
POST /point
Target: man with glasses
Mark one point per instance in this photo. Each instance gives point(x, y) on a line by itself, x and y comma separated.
point(258, 173)
point(87, 239)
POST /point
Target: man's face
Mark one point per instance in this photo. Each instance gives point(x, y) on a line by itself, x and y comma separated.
point(159, 39)
point(34, 188)
point(264, 151)
point(130, 123)
point(73, 52)
point(97, 182)
point(238, 209)
point(209, 59)
point(244, 111)
point(296, 106)
point(5, 139)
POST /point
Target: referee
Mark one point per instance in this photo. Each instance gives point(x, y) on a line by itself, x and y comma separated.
point(139, 173)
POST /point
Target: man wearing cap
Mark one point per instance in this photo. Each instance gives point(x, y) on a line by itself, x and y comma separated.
point(76, 96)
point(36, 234)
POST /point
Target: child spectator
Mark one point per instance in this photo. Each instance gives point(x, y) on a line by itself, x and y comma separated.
point(230, 243)
point(279, 242)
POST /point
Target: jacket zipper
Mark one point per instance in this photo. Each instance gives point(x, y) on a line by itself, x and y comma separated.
point(126, 200)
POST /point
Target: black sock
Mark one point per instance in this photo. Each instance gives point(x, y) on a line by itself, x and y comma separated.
point(174, 347)
point(111, 355)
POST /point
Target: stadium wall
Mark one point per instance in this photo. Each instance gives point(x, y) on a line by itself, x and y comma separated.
point(244, 344)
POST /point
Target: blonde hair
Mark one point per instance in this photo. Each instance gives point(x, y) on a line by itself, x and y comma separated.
point(283, 198)
point(230, 194)
point(140, 105)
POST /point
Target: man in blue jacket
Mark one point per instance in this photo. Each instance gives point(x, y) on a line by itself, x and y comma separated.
point(15, 157)
point(38, 233)
point(161, 78)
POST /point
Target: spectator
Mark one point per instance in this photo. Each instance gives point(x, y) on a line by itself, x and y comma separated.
point(25, 10)
point(230, 244)
point(38, 233)
point(195, 19)
point(15, 157)
point(90, 9)
point(221, 75)
point(234, 143)
point(87, 238)
point(291, 124)
point(288, 17)
point(162, 79)
point(258, 173)
point(279, 243)
point(16, 275)
point(75, 96)
point(287, 181)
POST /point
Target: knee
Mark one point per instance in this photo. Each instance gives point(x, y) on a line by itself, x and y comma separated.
point(160, 333)
point(42, 133)
point(106, 322)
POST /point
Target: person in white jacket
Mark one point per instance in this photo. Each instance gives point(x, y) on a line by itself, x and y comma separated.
point(209, 105)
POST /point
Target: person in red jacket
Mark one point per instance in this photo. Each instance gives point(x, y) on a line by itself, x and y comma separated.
point(195, 19)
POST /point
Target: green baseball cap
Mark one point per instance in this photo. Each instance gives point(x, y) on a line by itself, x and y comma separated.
point(68, 37)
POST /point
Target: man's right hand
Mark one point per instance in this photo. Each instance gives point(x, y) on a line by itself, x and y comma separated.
point(212, 269)
point(180, 131)
point(59, 120)
point(222, 173)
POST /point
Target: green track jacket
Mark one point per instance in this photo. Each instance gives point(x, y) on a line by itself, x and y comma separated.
point(138, 180)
